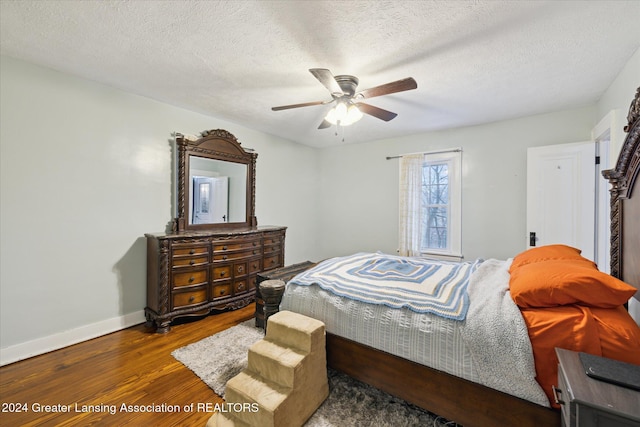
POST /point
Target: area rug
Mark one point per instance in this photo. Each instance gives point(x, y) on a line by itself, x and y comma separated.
point(222, 356)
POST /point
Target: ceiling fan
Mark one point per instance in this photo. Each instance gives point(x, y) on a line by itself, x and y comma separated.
point(349, 108)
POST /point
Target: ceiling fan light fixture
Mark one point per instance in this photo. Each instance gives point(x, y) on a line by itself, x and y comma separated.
point(343, 115)
point(331, 116)
point(353, 114)
point(349, 106)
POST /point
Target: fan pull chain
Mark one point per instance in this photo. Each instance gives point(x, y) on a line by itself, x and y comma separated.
point(338, 129)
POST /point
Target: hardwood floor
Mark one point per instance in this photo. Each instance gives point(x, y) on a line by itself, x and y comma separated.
point(130, 367)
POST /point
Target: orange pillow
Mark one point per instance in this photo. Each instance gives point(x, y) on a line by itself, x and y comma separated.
point(619, 334)
point(563, 282)
point(546, 253)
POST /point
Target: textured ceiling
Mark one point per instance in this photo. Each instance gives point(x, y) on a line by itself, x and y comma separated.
point(474, 61)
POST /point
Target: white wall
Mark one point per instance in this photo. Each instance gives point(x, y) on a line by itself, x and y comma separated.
point(360, 187)
point(86, 170)
point(618, 97)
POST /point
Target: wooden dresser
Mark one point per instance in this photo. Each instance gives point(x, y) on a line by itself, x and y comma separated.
point(193, 273)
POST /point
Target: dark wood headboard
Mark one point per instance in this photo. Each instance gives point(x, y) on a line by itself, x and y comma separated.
point(625, 203)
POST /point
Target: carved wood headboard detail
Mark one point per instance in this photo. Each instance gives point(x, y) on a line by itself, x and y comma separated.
point(625, 208)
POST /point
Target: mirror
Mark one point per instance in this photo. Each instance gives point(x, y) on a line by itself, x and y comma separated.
point(218, 190)
point(215, 183)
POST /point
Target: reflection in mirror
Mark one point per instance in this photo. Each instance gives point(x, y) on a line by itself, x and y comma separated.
point(218, 190)
point(205, 210)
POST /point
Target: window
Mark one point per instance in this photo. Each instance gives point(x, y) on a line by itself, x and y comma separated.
point(435, 205)
point(430, 204)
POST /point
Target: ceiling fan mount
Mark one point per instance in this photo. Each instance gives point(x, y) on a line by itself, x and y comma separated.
point(348, 84)
point(343, 92)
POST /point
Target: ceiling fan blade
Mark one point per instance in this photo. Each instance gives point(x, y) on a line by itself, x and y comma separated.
point(326, 78)
point(385, 89)
point(376, 112)
point(304, 104)
point(325, 124)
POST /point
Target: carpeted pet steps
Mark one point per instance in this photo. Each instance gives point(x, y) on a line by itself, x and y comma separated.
point(275, 363)
point(286, 376)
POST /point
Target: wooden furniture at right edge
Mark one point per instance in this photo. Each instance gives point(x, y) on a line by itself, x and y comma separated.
point(625, 204)
point(587, 402)
point(472, 404)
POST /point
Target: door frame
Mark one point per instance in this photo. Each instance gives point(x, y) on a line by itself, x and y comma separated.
point(608, 135)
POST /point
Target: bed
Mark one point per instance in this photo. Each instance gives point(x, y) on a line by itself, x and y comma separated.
point(458, 392)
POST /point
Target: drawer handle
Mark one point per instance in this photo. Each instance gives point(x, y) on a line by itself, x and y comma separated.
point(191, 279)
point(224, 248)
point(255, 243)
point(241, 287)
point(191, 298)
point(556, 392)
point(273, 261)
point(255, 265)
point(255, 252)
point(240, 269)
point(222, 273)
point(192, 262)
point(221, 291)
point(192, 251)
point(224, 257)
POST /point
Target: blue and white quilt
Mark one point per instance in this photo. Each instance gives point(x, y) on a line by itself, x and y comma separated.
point(421, 285)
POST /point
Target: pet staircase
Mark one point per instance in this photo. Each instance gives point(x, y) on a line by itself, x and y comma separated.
point(286, 376)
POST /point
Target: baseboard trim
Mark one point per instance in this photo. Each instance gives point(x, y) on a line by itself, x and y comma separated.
point(60, 340)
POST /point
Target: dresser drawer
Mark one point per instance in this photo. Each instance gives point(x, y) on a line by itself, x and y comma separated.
point(273, 238)
point(179, 251)
point(272, 249)
point(186, 299)
point(190, 278)
point(221, 291)
point(240, 286)
point(271, 262)
point(231, 256)
point(234, 245)
point(221, 272)
point(191, 261)
point(240, 269)
point(255, 266)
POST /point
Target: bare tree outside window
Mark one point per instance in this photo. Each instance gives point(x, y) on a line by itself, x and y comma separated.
point(431, 204)
point(436, 206)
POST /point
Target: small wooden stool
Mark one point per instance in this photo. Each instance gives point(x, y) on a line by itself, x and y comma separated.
point(272, 291)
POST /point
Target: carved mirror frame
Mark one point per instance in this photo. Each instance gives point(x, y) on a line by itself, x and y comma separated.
point(217, 144)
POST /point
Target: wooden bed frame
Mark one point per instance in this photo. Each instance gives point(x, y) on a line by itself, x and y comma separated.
point(472, 404)
point(625, 209)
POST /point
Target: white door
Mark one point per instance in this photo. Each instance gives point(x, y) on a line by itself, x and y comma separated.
point(220, 199)
point(210, 199)
point(561, 196)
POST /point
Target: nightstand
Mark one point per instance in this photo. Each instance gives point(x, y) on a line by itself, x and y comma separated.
point(587, 402)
